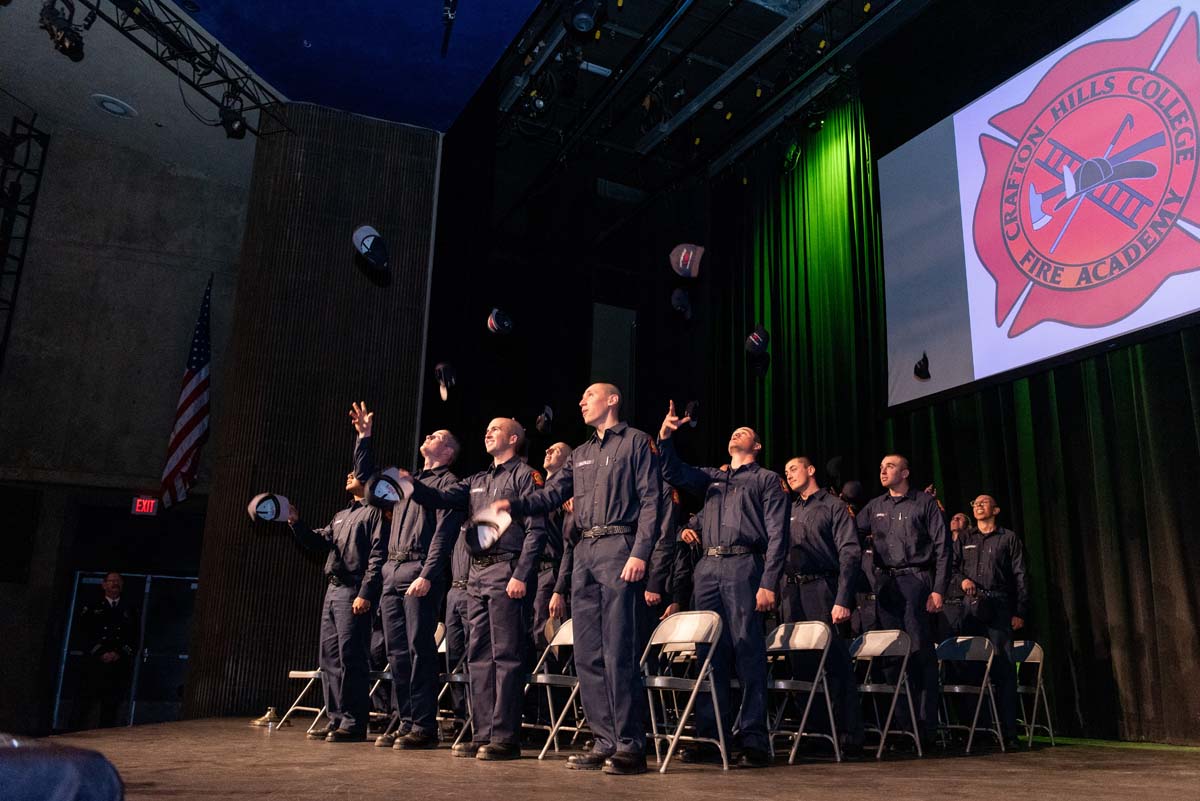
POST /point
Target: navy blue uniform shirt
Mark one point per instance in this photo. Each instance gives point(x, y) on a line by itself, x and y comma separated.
point(825, 540)
point(348, 539)
point(744, 506)
point(511, 481)
point(995, 562)
point(909, 531)
point(614, 482)
point(413, 527)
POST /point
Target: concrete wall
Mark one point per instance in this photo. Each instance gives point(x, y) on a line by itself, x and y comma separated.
point(121, 248)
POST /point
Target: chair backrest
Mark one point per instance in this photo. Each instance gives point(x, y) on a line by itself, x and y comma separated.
point(564, 636)
point(809, 635)
point(881, 642)
point(965, 649)
point(1027, 651)
point(687, 629)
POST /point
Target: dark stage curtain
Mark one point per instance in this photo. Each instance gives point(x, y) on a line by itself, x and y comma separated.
point(1094, 463)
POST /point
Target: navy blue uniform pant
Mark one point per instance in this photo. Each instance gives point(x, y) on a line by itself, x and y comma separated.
point(344, 655)
point(409, 626)
point(998, 629)
point(814, 600)
point(456, 643)
point(900, 604)
point(605, 611)
point(496, 647)
point(728, 585)
point(547, 576)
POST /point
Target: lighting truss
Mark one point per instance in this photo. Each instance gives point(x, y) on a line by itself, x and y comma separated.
point(193, 56)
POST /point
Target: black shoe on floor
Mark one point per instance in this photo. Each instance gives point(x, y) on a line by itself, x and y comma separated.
point(754, 758)
point(320, 734)
point(413, 741)
point(625, 763)
point(588, 761)
point(496, 752)
point(346, 736)
point(700, 753)
point(851, 749)
point(386, 740)
point(1012, 744)
point(467, 749)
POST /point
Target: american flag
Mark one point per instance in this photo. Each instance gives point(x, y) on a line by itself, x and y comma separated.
point(191, 414)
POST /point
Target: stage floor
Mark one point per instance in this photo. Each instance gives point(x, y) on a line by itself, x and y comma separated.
point(228, 759)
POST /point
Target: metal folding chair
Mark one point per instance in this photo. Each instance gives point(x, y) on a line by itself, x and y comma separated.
point(975, 650)
point(560, 652)
point(887, 644)
point(1028, 652)
point(665, 671)
point(314, 677)
point(784, 642)
point(454, 676)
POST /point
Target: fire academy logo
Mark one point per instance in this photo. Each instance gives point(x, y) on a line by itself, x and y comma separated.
point(1092, 209)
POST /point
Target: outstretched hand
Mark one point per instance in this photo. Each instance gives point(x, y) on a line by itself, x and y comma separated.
point(672, 422)
point(361, 418)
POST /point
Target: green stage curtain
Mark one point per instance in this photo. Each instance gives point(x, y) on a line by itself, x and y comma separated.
point(1096, 464)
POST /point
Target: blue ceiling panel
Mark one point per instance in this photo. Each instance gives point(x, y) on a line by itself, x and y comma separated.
point(381, 58)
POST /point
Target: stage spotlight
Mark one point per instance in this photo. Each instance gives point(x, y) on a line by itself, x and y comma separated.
point(584, 16)
point(60, 26)
point(231, 117)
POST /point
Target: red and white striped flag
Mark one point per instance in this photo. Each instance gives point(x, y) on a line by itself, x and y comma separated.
point(191, 413)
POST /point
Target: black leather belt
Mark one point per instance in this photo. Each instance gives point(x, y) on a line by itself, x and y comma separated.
point(869, 596)
point(904, 571)
point(999, 595)
point(952, 601)
point(544, 564)
point(807, 578)
point(406, 556)
point(729, 550)
point(604, 531)
point(338, 581)
point(458, 584)
point(493, 558)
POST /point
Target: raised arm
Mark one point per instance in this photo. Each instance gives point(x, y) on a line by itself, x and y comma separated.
point(558, 490)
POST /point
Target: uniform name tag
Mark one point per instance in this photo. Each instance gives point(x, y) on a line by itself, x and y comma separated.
point(586, 462)
point(340, 519)
point(968, 547)
point(477, 489)
point(881, 514)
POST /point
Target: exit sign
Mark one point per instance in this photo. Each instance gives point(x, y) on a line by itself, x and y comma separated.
point(145, 505)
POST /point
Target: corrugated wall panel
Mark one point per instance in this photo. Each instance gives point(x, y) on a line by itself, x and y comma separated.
point(311, 334)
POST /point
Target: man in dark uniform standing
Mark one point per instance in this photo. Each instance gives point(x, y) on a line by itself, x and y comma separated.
point(744, 538)
point(109, 629)
point(410, 554)
point(994, 581)
point(614, 480)
point(912, 559)
point(824, 562)
point(497, 634)
point(345, 623)
point(551, 562)
point(456, 621)
point(949, 621)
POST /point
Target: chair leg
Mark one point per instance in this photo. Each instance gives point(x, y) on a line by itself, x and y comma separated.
point(995, 717)
point(553, 736)
point(296, 703)
point(837, 747)
point(557, 722)
point(719, 718)
point(891, 711)
point(654, 723)
point(687, 711)
point(1046, 707)
point(912, 715)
